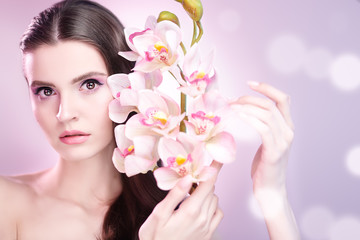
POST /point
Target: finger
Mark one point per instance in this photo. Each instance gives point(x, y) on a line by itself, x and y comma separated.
point(211, 209)
point(215, 221)
point(165, 208)
point(205, 188)
point(263, 103)
point(262, 128)
point(281, 99)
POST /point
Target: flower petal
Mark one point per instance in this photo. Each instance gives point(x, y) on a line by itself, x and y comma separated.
point(170, 148)
point(118, 113)
point(149, 99)
point(192, 60)
point(121, 140)
point(129, 55)
point(169, 33)
point(222, 147)
point(134, 127)
point(128, 97)
point(145, 146)
point(118, 82)
point(118, 160)
point(166, 178)
point(135, 165)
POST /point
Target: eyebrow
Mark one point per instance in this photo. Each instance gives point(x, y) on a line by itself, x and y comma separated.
point(75, 80)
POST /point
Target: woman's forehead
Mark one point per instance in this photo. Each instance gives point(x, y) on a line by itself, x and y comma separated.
point(64, 60)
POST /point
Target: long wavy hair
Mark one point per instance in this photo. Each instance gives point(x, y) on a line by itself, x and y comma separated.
point(91, 23)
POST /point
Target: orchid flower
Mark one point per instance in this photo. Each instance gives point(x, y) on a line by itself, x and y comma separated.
point(156, 47)
point(159, 116)
point(125, 87)
point(181, 160)
point(198, 73)
point(208, 117)
point(133, 157)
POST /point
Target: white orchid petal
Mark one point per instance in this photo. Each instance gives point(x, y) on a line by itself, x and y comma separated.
point(166, 178)
point(135, 165)
point(222, 147)
point(118, 82)
point(118, 113)
point(129, 55)
point(168, 147)
point(118, 161)
point(121, 140)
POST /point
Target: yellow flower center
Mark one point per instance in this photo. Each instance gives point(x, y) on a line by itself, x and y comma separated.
point(130, 148)
point(160, 116)
point(159, 45)
point(180, 159)
point(200, 75)
point(210, 115)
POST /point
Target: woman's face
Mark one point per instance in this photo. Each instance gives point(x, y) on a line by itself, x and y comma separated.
point(70, 98)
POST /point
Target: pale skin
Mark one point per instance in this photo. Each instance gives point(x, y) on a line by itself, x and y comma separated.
point(69, 200)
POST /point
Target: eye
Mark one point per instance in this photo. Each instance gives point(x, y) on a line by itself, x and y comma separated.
point(90, 84)
point(44, 92)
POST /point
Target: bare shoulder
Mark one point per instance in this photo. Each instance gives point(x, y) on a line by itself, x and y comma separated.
point(15, 196)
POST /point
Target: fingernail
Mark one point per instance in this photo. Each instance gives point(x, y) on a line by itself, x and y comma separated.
point(186, 182)
point(253, 83)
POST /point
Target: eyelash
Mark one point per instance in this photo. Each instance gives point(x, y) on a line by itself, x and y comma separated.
point(40, 91)
point(96, 82)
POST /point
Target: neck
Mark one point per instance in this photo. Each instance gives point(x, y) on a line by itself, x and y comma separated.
point(91, 182)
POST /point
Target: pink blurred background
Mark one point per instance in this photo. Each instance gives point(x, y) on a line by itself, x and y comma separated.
point(309, 49)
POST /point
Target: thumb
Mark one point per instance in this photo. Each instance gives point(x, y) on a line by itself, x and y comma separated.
point(175, 197)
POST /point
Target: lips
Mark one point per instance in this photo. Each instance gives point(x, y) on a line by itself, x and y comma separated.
point(74, 137)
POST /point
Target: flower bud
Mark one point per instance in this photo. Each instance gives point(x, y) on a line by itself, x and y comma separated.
point(165, 15)
point(193, 8)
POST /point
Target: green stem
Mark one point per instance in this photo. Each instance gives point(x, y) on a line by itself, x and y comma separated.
point(201, 31)
point(183, 48)
point(194, 34)
point(181, 72)
point(172, 74)
point(183, 109)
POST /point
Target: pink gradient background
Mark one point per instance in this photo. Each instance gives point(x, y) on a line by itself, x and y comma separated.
point(326, 117)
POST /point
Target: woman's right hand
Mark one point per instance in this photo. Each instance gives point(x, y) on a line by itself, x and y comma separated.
point(197, 217)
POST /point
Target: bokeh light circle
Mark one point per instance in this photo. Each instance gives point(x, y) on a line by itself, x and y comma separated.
point(345, 72)
point(346, 228)
point(286, 54)
point(353, 160)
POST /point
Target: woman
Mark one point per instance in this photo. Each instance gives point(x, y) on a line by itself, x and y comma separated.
point(68, 52)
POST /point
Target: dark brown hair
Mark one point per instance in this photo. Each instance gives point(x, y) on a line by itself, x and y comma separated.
point(89, 22)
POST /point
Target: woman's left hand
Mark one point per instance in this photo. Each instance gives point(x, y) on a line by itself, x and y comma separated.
point(271, 118)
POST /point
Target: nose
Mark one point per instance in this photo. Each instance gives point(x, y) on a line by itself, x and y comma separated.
point(67, 110)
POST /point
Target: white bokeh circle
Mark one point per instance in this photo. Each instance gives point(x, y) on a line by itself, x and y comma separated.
point(286, 54)
point(345, 72)
point(345, 228)
point(316, 222)
point(353, 160)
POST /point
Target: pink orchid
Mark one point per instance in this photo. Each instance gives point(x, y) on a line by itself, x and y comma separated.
point(125, 87)
point(208, 117)
point(133, 157)
point(159, 116)
point(198, 73)
point(181, 160)
point(156, 47)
